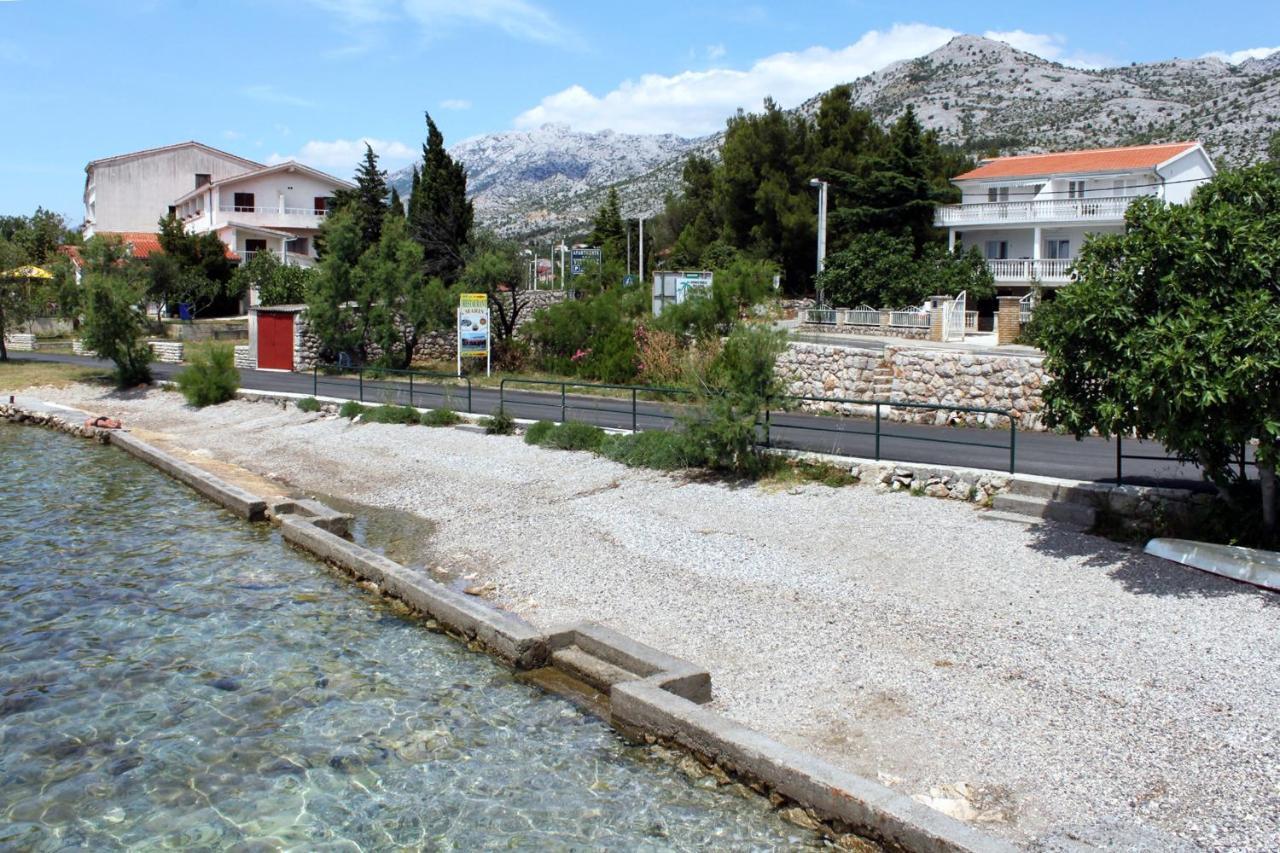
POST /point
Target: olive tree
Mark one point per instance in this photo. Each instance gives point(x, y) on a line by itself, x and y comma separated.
point(1172, 332)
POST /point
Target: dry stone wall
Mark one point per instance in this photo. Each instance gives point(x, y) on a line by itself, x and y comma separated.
point(166, 352)
point(939, 377)
point(244, 357)
point(18, 342)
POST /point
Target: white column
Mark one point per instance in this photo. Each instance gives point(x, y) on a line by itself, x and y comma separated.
point(951, 239)
point(642, 249)
point(1036, 249)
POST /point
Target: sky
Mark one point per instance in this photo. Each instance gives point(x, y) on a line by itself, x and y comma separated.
point(310, 79)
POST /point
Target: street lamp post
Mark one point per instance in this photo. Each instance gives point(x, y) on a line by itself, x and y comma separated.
point(821, 187)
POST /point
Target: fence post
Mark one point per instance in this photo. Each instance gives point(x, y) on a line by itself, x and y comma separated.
point(563, 409)
point(877, 430)
point(1013, 444)
point(315, 380)
point(768, 425)
point(634, 428)
point(360, 379)
point(502, 395)
point(411, 391)
point(470, 408)
point(1119, 461)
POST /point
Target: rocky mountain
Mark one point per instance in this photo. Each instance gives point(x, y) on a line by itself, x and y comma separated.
point(979, 93)
point(532, 181)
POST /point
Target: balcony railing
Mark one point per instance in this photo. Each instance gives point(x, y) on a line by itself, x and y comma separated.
point(1053, 210)
point(274, 210)
point(1025, 269)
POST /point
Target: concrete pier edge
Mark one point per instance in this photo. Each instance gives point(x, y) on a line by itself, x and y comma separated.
point(663, 702)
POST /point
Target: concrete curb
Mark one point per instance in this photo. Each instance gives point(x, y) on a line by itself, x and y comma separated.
point(240, 501)
point(1248, 565)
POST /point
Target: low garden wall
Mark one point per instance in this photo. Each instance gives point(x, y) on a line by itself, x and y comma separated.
point(20, 342)
point(166, 352)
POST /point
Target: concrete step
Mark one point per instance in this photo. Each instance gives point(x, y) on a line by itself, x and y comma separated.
point(1077, 515)
point(1011, 518)
point(1083, 493)
point(590, 669)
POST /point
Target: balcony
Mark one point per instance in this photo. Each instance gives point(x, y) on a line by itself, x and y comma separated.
point(273, 217)
point(1035, 212)
point(1049, 271)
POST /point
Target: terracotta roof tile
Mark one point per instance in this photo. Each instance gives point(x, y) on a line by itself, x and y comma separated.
point(143, 244)
point(1078, 162)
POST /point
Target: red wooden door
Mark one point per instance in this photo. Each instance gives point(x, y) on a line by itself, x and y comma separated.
point(275, 341)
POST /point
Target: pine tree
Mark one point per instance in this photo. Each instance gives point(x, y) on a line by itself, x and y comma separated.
point(395, 208)
point(440, 215)
point(608, 230)
point(368, 201)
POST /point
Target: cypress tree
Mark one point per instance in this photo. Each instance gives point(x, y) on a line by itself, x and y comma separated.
point(395, 207)
point(440, 216)
point(608, 230)
point(368, 201)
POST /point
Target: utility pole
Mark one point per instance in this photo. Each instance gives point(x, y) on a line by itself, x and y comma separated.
point(821, 187)
point(642, 248)
point(628, 250)
point(563, 250)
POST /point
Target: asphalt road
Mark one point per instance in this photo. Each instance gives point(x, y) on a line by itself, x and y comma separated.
point(1034, 452)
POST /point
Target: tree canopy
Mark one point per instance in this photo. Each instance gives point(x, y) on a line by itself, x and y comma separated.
point(1172, 331)
point(440, 214)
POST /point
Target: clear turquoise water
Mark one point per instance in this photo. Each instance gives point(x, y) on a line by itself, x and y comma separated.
point(173, 678)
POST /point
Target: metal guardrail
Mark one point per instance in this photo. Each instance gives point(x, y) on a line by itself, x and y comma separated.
point(822, 316)
point(879, 433)
point(1242, 460)
point(400, 382)
point(565, 405)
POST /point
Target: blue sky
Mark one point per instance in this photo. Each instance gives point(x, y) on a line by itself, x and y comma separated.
point(272, 79)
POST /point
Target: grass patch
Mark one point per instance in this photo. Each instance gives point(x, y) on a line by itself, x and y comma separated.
point(441, 418)
point(500, 423)
point(17, 375)
point(352, 409)
point(664, 451)
point(392, 415)
point(537, 433)
point(308, 404)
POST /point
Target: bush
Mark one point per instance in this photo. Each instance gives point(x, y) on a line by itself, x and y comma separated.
point(574, 435)
point(499, 424)
point(392, 415)
point(212, 377)
point(537, 433)
point(308, 404)
point(352, 409)
point(441, 418)
point(665, 451)
point(114, 326)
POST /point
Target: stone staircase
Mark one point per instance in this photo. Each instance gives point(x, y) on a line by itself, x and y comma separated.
point(1034, 501)
point(882, 382)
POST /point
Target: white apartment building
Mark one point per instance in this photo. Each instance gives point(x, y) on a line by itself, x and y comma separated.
point(1029, 215)
point(251, 207)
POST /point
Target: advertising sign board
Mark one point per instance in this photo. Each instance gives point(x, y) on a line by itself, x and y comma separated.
point(579, 258)
point(473, 328)
point(673, 288)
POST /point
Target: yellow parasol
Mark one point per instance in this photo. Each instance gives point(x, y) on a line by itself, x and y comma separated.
point(27, 272)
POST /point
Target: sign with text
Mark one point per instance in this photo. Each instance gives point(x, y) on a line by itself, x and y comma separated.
point(579, 258)
point(473, 328)
point(674, 288)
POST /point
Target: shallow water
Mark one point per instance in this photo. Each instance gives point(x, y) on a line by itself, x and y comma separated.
point(173, 677)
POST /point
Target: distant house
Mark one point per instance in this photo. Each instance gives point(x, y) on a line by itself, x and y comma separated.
point(1029, 215)
point(252, 207)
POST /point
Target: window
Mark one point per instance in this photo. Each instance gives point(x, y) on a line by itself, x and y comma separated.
point(997, 250)
point(1075, 189)
point(299, 246)
point(321, 205)
point(252, 246)
point(203, 178)
point(243, 202)
point(173, 210)
point(995, 194)
point(1055, 250)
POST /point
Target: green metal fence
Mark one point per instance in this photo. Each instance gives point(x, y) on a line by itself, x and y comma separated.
point(1242, 459)
point(627, 412)
point(386, 385)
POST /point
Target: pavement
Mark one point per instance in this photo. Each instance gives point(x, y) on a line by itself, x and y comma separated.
point(1040, 453)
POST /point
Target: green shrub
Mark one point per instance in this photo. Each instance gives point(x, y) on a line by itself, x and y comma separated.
point(211, 378)
point(824, 473)
point(537, 433)
point(392, 415)
point(574, 435)
point(352, 409)
point(308, 404)
point(499, 424)
point(441, 418)
point(665, 451)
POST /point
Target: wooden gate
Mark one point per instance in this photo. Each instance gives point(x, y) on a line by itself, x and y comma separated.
point(275, 340)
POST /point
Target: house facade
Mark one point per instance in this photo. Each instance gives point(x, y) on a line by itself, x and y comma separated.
point(1029, 215)
point(250, 206)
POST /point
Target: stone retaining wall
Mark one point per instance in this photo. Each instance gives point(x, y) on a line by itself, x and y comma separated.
point(166, 352)
point(20, 342)
point(245, 359)
point(939, 377)
point(913, 333)
point(78, 348)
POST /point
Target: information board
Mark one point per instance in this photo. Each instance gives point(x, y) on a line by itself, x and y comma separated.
point(473, 328)
point(579, 258)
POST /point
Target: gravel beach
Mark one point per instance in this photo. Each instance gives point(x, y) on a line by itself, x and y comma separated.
point(1058, 689)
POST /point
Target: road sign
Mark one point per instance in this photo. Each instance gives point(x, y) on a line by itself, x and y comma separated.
point(673, 288)
point(579, 258)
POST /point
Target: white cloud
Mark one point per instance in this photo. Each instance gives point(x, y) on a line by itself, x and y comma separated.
point(716, 51)
point(269, 94)
point(1235, 57)
point(341, 156)
point(1047, 46)
point(693, 103)
point(455, 104)
point(520, 19)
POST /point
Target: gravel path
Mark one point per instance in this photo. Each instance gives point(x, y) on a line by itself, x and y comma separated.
point(1065, 691)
